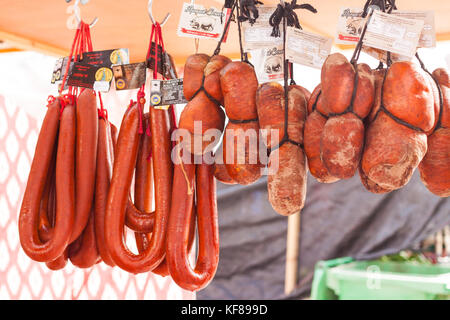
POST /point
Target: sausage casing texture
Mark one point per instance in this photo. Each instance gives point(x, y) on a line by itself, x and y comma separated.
point(389, 160)
point(124, 164)
point(435, 166)
point(188, 179)
point(86, 159)
point(287, 163)
point(239, 84)
point(65, 190)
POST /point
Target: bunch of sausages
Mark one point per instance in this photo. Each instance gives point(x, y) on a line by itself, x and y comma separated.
point(383, 123)
point(80, 199)
point(68, 183)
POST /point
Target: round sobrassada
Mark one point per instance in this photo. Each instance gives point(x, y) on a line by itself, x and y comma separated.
point(343, 134)
point(287, 164)
point(241, 140)
point(201, 110)
point(393, 150)
point(435, 166)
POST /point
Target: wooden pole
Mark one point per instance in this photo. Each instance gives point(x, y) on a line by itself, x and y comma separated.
point(292, 253)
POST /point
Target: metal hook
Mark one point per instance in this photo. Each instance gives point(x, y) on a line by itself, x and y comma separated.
point(77, 13)
point(149, 8)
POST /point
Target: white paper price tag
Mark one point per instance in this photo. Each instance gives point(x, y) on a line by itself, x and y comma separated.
point(196, 21)
point(307, 48)
point(392, 33)
point(258, 35)
point(351, 23)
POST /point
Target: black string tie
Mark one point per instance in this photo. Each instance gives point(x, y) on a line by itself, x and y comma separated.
point(288, 12)
point(249, 12)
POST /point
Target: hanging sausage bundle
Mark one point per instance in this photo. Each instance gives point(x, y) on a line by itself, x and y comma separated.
point(396, 139)
point(56, 221)
point(435, 166)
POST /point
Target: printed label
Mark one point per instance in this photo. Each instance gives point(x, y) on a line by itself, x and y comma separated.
point(351, 23)
point(307, 48)
point(196, 21)
point(395, 34)
point(258, 35)
point(166, 92)
point(129, 76)
point(86, 75)
point(268, 63)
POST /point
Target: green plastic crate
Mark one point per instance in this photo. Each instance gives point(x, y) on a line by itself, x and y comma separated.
point(346, 279)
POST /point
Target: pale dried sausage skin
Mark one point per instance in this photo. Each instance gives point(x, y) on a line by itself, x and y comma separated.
point(287, 163)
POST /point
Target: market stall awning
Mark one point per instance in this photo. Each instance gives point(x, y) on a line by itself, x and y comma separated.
point(41, 25)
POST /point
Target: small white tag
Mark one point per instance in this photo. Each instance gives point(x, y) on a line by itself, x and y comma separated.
point(258, 35)
point(391, 33)
point(268, 63)
point(307, 48)
point(102, 86)
point(196, 21)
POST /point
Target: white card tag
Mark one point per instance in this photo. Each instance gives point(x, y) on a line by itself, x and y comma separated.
point(258, 35)
point(395, 34)
point(268, 63)
point(196, 21)
point(307, 48)
point(351, 23)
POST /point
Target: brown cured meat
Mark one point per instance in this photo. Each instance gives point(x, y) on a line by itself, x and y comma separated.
point(287, 163)
point(395, 147)
point(343, 134)
point(201, 110)
point(312, 135)
point(435, 166)
point(241, 140)
point(220, 171)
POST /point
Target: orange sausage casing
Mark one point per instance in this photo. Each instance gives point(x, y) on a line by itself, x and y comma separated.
point(186, 177)
point(435, 166)
point(241, 140)
point(105, 158)
point(124, 164)
point(86, 159)
point(202, 110)
point(65, 189)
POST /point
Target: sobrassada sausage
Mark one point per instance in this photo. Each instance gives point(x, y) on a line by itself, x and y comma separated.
point(287, 163)
point(435, 166)
point(396, 141)
point(220, 171)
point(124, 164)
point(241, 139)
point(314, 125)
point(201, 86)
point(343, 134)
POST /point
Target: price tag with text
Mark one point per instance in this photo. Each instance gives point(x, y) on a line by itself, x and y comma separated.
point(258, 35)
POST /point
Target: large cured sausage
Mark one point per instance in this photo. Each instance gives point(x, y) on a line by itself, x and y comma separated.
point(314, 125)
point(86, 159)
point(124, 164)
point(287, 162)
point(201, 86)
point(191, 181)
point(435, 166)
point(65, 188)
point(406, 113)
point(348, 92)
point(241, 139)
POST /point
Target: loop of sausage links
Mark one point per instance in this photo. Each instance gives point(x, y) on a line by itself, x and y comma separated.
point(390, 115)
